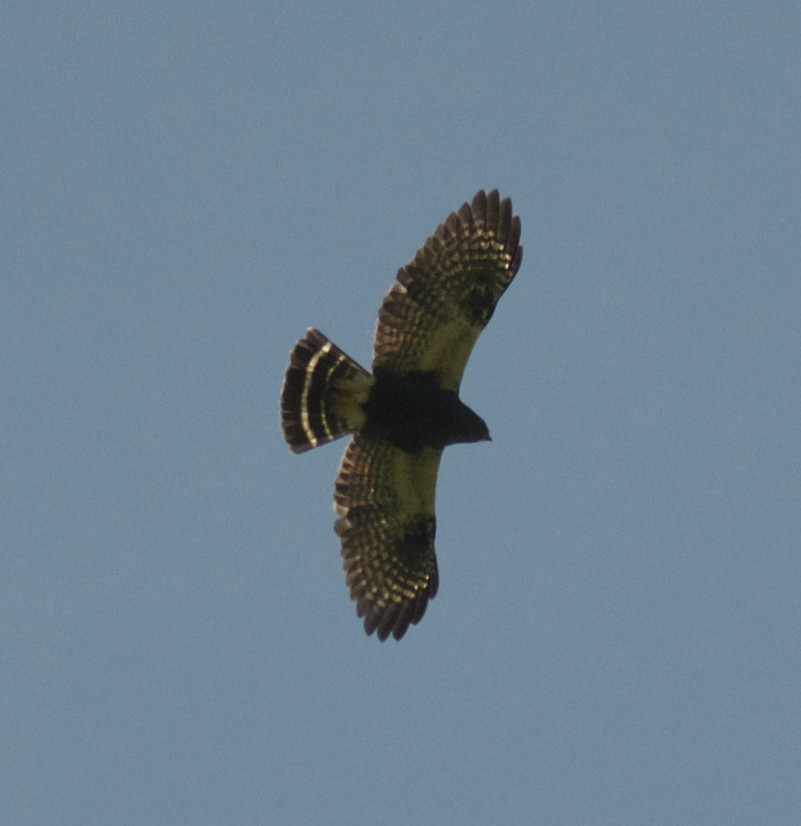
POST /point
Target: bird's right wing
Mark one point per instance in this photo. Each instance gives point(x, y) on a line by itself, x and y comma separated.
point(431, 317)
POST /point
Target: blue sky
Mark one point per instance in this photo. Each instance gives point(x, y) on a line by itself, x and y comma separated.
point(186, 188)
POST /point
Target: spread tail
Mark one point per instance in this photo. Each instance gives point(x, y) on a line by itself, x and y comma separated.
point(324, 390)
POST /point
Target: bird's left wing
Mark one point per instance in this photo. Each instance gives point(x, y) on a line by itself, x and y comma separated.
point(384, 497)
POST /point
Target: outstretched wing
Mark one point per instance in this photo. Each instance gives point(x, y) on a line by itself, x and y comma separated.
point(384, 497)
point(443, 299)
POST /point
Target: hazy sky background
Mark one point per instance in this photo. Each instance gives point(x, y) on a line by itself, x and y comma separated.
point(185, 188)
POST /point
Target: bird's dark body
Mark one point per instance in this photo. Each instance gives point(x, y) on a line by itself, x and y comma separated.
point(412, 411)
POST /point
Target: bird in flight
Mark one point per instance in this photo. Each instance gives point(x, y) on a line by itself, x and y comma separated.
point(407, 411)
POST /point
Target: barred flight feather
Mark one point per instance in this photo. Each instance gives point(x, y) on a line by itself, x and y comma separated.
point(322, 395)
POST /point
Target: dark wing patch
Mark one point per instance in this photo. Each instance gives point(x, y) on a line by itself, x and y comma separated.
point(431, 318)
point(384, 497)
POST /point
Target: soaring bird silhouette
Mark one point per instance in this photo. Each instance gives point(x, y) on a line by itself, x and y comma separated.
point(405, 413)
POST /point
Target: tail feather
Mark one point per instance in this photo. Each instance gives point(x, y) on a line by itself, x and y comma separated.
point(324, 390)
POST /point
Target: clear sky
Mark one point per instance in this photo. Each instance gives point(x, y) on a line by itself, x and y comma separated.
point(185, 188)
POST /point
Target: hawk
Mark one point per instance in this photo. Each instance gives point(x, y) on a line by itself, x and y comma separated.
point(407, 411)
